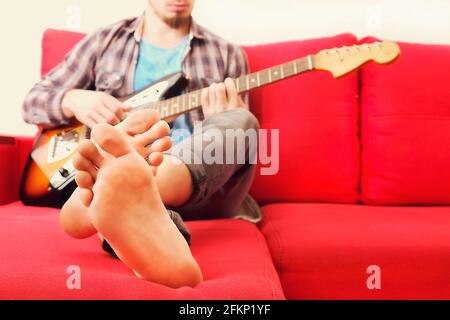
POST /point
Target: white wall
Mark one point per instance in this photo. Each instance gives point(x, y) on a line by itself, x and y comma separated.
point(22, 23)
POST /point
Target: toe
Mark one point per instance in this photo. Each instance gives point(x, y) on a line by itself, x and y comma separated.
point(86, 196)
point(85, 165)
point(84, 180)
point(89, 151)
point(161, 145)
point(155, 159)
point(159, 130)
point(139, 122)
point(111, 140)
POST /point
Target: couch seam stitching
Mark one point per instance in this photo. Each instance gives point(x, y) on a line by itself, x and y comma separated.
point(258, 234)
point(279, 243)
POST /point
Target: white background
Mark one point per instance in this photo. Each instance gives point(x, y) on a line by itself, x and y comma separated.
point(22, 23)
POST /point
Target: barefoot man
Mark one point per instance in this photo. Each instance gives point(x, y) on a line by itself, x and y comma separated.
point(133, 190)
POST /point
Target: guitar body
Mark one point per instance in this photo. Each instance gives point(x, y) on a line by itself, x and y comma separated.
point(47, 171)
point(49, 176)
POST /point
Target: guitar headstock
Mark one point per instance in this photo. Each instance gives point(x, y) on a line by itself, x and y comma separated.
point(340, 61)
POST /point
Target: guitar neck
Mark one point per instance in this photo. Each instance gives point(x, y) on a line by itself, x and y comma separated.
point(187, 102)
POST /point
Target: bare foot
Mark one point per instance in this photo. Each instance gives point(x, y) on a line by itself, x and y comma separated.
point(145, 133)
point(127, 210)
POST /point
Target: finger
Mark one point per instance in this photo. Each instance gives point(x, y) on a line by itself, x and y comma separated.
point(89, 122)
point(241, 102)
point(117, 107)
point(107, 114)
point(206, 107)
point(115, 103)
point(96, 117)
point(212, 97)
point(221, 97)
point(204, 98)
point(232, 93)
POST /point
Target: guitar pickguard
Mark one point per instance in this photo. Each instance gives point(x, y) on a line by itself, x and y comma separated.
point(62, 145)
point(151, 94)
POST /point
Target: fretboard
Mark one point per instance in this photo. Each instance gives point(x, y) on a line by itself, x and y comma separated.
point(178, 105)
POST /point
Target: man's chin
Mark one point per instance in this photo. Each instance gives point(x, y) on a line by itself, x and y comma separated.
point(178, 20)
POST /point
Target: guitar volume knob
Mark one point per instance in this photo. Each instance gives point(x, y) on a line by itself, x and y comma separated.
point(64, 172)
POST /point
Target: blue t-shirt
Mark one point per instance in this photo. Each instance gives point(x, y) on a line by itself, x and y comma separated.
point(155, 63)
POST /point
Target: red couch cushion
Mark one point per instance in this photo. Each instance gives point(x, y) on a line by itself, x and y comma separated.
point(55, 45)
point(317, 116)
point(405, 128)
point(35, 255)
point(322, 251)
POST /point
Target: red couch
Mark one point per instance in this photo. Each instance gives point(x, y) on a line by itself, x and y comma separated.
point(364, 180)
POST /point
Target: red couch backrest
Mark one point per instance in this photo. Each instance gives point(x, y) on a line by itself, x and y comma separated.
point(317, 116)
point(55, 45)
point(405, 128)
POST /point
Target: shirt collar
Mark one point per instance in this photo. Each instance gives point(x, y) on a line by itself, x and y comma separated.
point(137, 28)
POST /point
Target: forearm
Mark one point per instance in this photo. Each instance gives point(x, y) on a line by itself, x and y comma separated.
point(69, 101)
point(43, 106)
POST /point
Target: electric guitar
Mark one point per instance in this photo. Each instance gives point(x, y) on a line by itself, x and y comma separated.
point(49, 170)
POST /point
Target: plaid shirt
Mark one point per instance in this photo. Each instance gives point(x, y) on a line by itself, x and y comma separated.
point(106, 61)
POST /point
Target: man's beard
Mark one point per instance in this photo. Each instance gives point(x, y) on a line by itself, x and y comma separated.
point(176, 22)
